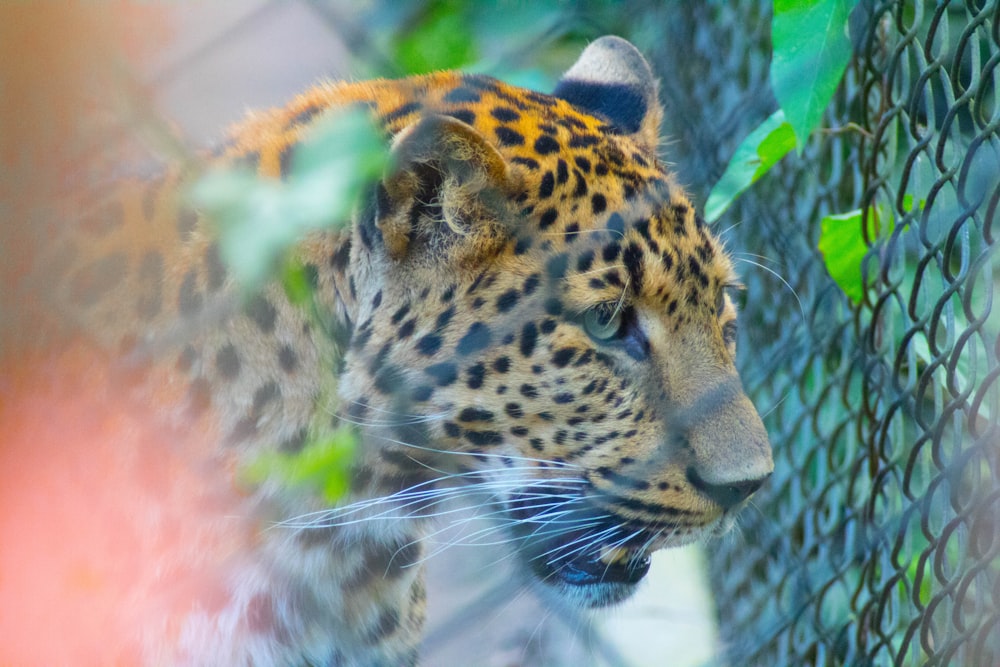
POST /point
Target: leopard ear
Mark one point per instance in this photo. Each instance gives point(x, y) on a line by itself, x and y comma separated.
point(612, 80)
point(446, 192)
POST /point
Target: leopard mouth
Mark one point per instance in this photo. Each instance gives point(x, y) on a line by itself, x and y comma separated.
point(589, 558)
point(615, 568)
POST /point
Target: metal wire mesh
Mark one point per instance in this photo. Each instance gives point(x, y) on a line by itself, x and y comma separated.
point(877, 541)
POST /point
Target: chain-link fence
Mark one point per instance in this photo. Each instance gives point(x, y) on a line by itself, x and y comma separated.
point(878, 539)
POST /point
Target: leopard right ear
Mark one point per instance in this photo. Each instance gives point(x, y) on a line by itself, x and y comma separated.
point(612, 80)
point(445, 192)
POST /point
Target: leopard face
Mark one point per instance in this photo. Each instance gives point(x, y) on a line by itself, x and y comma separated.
point(538, 297)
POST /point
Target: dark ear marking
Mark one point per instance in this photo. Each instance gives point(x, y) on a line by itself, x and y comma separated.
point(612, 80)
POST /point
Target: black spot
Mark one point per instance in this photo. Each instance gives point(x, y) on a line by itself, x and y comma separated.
point(585, 261)
point(188, 297)
point(553, 307)
point(545, 145)
point(502, 364)
point(475, 375)
point(287, 359)
point(523, 245)
point(244, 429)
point(262, 313)
point(583, 163)
point(547, 185)
point(443, 374)
point(514, 410)
point(285, 160)
point(429, 345)
point(562, 172)
point(548, 326)
point(529, 337)
point(549, 216)
point(563, 398)
point(531, 284)
point(504, 114)
point(563, 356)
point(303, 117)
point(464, 115)
point(475, 339)
point(583, 141)
point(422, 393)
point(581, 185)
point(484, 438)
point(556, 266)
point(461, 94)
point(215, 270)
point(507, 300)
point(473, 414)
point(598, 203)
point(632, 258)
point(528, 162)
point(401, 112)
point(452, 430)
point(387, 623)
point(340, 257)
point(227, 361)
point(601, 169)
point(611, 251)
point(509, 137)
point(388, 379)
point(295, 442)
point(403, 311)
point(150, 279)
point(266, 393)
point(529, 391)
point(407, 328)
point(444, 318)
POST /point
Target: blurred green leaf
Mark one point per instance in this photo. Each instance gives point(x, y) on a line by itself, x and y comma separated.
point(843, 247)
point(323, 465)
point(440, 39)
point(259, 219)
point(760, 151)
point(811, 49)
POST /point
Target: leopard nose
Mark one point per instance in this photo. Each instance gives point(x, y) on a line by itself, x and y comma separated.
point(727, 494)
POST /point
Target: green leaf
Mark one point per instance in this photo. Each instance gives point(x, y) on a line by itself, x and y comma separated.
point(323, 465)
point(760, 151)
point(440, 39)
point(811, 49)
point(843, 247)
point(259, 219)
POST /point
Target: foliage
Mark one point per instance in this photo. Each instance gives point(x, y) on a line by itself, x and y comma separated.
point(754, 157)
point(260, 219)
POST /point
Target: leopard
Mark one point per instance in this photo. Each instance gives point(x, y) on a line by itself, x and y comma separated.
point(525, 307)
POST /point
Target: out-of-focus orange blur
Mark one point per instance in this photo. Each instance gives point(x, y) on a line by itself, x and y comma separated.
point(108, 529)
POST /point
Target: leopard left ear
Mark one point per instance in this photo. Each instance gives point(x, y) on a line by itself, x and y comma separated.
point(445, 192)
point(612, 80)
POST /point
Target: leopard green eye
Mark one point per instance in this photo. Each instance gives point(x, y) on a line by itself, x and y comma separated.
point(602, 323)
